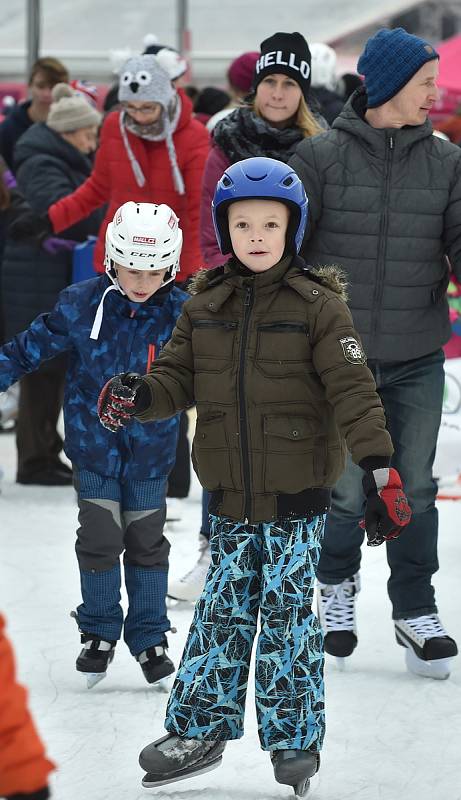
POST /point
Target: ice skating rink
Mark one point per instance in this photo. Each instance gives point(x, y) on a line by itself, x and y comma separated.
point(389, 734)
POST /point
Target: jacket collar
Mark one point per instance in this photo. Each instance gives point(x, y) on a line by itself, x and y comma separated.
point(352, 120)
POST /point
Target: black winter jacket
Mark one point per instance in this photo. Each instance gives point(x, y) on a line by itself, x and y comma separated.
point(385, 204)
point(47, 169)
point(11, 129)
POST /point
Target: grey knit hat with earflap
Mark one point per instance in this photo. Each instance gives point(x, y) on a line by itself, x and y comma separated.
point(143, 79)
point(70, 111)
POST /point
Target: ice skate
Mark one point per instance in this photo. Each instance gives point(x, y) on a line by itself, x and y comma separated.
point(174, 758)
point(295, 768)
point(429, 649)
point(156, 666)
point(189, 587)
point(336, 610)
point(94, 658)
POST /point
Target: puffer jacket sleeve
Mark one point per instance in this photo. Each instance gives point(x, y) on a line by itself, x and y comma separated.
point(48, 335)
point(304, 164)
point(192, 172)
point(349, 384)
point(92, 194)
point(452, 223)
point(171, 379)
point(215, 165)
point(24, 768)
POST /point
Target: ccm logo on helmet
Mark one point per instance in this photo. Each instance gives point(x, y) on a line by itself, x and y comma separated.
point(144, 240)
point(140, 255)
point(276, 57)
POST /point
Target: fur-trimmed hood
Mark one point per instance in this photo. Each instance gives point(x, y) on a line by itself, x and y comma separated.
point(331, 277)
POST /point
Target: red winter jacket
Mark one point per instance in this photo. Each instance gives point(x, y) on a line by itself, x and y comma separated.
point(24, 768)
point(112, 181)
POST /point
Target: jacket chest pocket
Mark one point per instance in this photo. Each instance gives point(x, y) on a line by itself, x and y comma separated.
point(213, 344)
point(282, 348)
point(294, 453)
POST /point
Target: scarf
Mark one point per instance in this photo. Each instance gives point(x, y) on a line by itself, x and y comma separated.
point(242, 134)
point(161, 130)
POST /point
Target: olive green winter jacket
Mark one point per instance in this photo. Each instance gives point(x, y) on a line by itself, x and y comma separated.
point(278, 374)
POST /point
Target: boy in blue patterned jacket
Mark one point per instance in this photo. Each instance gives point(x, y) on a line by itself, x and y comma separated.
point(117, 322)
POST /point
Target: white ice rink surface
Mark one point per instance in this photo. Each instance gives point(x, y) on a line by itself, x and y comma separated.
point(390, 735)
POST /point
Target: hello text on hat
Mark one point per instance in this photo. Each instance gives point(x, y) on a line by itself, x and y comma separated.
point(288, 54)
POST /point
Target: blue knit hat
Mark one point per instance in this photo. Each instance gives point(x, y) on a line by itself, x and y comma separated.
point(389, 61)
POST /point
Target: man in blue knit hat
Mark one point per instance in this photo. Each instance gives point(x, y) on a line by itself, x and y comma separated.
point(385, 204)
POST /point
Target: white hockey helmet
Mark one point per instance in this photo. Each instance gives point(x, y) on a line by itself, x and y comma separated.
point(143, 236)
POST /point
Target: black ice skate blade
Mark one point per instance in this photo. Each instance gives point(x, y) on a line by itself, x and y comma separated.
point(151, 780)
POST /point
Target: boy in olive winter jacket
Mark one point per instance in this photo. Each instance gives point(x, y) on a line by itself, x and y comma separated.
point(267, 351)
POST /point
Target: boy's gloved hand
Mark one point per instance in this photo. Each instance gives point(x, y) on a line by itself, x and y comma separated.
point(121, 397)
point(387, 510)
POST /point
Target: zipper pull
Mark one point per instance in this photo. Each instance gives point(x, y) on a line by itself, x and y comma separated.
point(391, 142)
point(248, 297)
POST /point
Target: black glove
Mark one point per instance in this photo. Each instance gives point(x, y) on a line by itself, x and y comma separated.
point(387, 510)
point(40, 794)
point(29, 225)
point(122, 397)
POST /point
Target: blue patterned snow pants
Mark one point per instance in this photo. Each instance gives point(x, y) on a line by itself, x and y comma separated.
point(270, 568)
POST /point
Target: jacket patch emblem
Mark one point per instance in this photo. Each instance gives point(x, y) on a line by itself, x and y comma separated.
point(352, 350)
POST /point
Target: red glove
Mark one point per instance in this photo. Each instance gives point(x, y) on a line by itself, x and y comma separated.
point(117, 401)
point(387, 510)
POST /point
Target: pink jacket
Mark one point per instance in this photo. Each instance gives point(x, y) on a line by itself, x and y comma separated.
point(216, 163)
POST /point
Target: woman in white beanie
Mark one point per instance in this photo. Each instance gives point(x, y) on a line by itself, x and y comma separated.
point(51, 161)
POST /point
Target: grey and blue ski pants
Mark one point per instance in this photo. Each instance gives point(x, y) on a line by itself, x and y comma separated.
point(126, 518)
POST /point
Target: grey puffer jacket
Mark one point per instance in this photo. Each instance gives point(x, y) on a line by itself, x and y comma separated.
point(385, 205)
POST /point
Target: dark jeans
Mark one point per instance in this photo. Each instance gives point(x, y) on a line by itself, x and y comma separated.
point(411, 393)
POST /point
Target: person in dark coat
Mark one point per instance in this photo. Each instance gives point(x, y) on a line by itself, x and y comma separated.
point(385, 203)
point(51, 161)
point(45, 73)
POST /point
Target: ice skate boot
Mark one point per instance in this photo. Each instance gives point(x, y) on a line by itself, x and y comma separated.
point(94, 658)
point(189, 587)
point(174, 758)
point(295, 768)
point(336, 610)
point(156, 665)
point(429, 649)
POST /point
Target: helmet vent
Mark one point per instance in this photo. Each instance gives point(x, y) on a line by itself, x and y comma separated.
point(256, 177)
point(288, 181)
point(165, 255)
point(121, 237)
point(226, 181)
point(119, 251)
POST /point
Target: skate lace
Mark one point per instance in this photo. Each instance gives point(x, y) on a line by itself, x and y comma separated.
point(427, 626)
point(338, 605)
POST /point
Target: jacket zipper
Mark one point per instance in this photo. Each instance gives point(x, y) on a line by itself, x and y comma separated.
point(247, 308)
point(283, 327)
point(211, 323)
point(382, 245)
